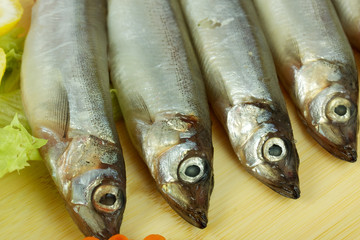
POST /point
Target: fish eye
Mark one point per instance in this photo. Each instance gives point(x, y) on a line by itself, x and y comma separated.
point(274, 149)
point(339, 110)
point(192, 169)
point(107, 198)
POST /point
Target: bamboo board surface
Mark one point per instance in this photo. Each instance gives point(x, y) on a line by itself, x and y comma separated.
point(240, 207)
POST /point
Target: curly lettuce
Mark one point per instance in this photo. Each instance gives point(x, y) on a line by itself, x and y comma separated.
point(13, 46)
point(10, 104)
point(17, 146)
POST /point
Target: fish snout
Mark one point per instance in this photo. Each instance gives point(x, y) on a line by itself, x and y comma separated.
point(290, 190)
point(199, 217)
point(350, 153)
point(278, 170)
point(282, 180)
point(92, 223)
point(340, 141)
point(332, 122)
point(190, 202)
point(338, 135)
point(106, 233)
point(97, 202)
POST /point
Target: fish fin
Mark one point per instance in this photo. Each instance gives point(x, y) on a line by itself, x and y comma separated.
point(61, 109)
point(139, 105)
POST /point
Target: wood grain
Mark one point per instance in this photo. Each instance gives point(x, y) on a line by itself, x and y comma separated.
point(240, 208)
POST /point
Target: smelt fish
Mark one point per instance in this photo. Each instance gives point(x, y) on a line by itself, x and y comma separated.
point(65, 89)
point(349, 14)
point(162, 98)
point(315, 63)
point(243, 89)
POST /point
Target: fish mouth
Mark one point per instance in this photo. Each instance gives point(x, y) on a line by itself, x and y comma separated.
point(283, 182)
point(192, 207)
point(349, 154)
point(198, 218)
point(92, 223)
point(346, 151)
point(286, 190)
point(97, 227)
point(105, 234)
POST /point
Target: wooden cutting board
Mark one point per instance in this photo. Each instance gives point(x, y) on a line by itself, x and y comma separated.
point(241, 207)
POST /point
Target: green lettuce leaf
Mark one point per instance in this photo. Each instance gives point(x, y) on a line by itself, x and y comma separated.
point(17, 147)
point(10, 97)
point(10, 104)
point(13, 46)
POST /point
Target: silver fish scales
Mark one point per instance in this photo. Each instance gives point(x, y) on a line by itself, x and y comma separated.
point(162, 99)
point(243, 89)
point(349, 15)
point(65, 89)
point(316, 65)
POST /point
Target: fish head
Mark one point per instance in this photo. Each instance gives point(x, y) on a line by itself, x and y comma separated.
point(93, 185)
point(273, 160)
point(188, 194)
point(261, 136)
point(183, 171)
point(335, 126)
point(330, 112)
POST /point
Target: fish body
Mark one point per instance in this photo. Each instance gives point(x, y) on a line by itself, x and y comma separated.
point(316, 65)
point(349, 15)
point(243, 89)
point(163, 101)
point(65, 90)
